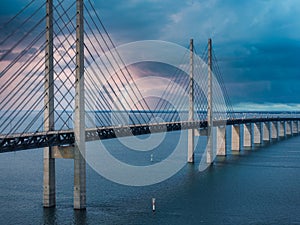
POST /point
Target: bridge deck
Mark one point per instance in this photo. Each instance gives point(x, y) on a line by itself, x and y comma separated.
point(16, 142)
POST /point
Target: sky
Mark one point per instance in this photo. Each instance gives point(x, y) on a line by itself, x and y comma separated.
point(257, 42)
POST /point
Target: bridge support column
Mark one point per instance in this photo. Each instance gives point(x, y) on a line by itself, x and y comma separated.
point(49, 161)
point(282, 129)
point(295, 127)
point(235, 138)
point(266, 131)
point(49, 196)
point(247, 135)
point(257, 133)
point(79, 120)
point(221, 141)
point(288, 127)
point(274, 130)
point(191, 135)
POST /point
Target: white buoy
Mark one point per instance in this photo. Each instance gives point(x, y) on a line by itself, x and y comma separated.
point(151, 158)
point(153, 204)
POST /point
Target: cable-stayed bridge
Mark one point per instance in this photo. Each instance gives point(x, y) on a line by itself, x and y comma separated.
point(64, 82)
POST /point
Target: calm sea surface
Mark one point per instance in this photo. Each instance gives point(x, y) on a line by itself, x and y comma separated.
point(258, 186)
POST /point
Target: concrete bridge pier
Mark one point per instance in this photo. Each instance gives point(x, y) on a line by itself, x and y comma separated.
point(248, 133)
point(257, 133)
point(282, 129)
point(274, 130)
point(295, 127)
point(288, 128)
point(221, 140)
point(266, 131)
point(235, 138)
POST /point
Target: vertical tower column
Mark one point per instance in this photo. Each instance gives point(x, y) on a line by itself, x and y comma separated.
point(247, 135)
point(209, 154)
point(79, 124)
point(191, 105)
point(49, 162)
point(257, 133)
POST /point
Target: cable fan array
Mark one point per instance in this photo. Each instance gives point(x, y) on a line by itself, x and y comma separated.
point(112, 96)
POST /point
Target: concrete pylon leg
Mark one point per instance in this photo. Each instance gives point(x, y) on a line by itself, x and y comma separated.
point(247, 135)
point(257, 133)
point(191, 132)
point(191, 135)
point(49, 179)
point(221, 141)
point(49, 162)
point(210, 146)
point(79, 118)
point(235, 138)
point(79, 180)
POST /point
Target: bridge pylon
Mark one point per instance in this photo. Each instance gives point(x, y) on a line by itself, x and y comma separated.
point(76, 152)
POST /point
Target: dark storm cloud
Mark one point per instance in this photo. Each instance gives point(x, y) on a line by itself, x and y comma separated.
point(256, 42)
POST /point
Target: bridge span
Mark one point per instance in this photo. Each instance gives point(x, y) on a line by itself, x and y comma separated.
point(253, 127)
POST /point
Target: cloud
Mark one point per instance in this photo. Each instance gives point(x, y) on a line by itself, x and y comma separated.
point(256, 42)
point(250, 106)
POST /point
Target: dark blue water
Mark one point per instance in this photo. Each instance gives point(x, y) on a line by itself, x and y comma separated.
point(260, 186)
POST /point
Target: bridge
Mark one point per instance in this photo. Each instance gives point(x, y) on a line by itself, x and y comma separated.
point(64, 83)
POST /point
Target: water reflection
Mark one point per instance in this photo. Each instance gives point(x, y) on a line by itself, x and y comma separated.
point(49, 215)
point(79, 217)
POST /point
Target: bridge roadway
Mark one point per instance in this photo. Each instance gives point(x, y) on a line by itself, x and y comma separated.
point(17, 142)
